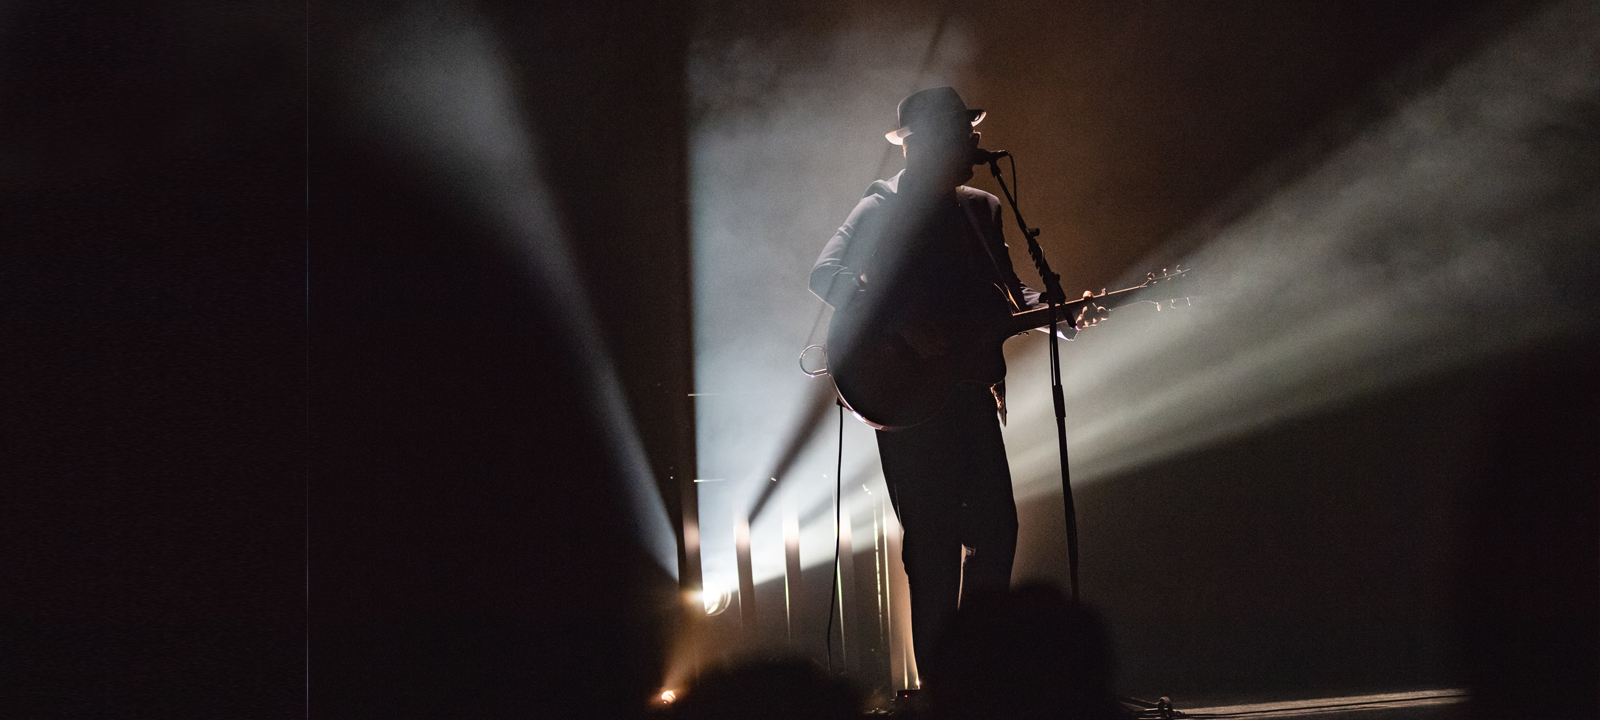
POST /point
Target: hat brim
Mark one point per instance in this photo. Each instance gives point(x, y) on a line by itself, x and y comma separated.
point(898, 137)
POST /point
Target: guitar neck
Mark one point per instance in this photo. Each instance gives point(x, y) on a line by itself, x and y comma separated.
point(1165, 288)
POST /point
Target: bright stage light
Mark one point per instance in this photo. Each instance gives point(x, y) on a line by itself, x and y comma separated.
point(718, 602)
point(714, 602)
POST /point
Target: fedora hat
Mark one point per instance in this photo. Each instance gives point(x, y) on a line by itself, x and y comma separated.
point(931, 105)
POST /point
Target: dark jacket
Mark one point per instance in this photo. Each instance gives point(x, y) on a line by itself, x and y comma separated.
point(836, 276)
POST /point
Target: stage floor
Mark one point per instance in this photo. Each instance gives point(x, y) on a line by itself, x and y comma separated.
point(1421, 705)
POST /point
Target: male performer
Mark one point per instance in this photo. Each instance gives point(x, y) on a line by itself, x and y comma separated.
point(925, 246)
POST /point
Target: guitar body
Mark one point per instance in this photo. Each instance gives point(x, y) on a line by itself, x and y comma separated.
point(890, 384)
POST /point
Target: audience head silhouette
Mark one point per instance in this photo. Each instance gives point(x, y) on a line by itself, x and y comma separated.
point(769, 690)
point(1028, 653)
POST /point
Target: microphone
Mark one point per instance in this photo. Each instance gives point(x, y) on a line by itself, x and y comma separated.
point(981, 156)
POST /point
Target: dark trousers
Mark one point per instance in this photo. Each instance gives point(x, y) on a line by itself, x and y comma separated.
point(951, 487)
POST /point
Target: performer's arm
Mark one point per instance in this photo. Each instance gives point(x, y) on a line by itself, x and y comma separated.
point(838, 272)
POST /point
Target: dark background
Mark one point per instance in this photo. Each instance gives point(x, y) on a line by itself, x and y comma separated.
point(278, 416)
point(153, 324)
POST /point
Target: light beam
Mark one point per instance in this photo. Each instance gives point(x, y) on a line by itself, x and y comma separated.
point(437, 92)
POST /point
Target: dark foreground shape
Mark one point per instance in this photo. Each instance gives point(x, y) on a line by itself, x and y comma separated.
point(1029, 653)
point(769, 690)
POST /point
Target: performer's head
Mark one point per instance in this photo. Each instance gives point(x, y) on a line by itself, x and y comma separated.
point(937, 136)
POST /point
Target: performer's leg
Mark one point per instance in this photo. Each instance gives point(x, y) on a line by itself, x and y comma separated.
point(933, 570)
point(916, 464)
point(988, 509)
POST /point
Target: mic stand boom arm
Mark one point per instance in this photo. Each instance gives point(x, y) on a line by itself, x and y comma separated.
point(1055, 297)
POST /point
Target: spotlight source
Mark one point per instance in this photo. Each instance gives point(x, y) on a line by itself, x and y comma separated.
point(717, 603)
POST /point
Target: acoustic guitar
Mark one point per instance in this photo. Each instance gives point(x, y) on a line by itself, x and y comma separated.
point(892, 377)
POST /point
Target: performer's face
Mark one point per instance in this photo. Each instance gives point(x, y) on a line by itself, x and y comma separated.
point(941, 155)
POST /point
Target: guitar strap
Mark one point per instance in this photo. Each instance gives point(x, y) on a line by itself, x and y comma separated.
point(980, 237)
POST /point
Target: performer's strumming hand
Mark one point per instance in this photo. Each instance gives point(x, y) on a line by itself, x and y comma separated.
point(1092, 313)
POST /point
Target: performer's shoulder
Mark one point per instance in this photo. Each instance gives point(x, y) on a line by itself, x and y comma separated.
point(877, 195)
point(976, 196)
point(883, 189)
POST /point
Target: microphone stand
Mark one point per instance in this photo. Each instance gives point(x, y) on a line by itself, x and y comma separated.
point(1055, 297)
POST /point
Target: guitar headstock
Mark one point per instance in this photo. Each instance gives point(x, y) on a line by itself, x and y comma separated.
point(1178, 272)
point(1167, 279)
